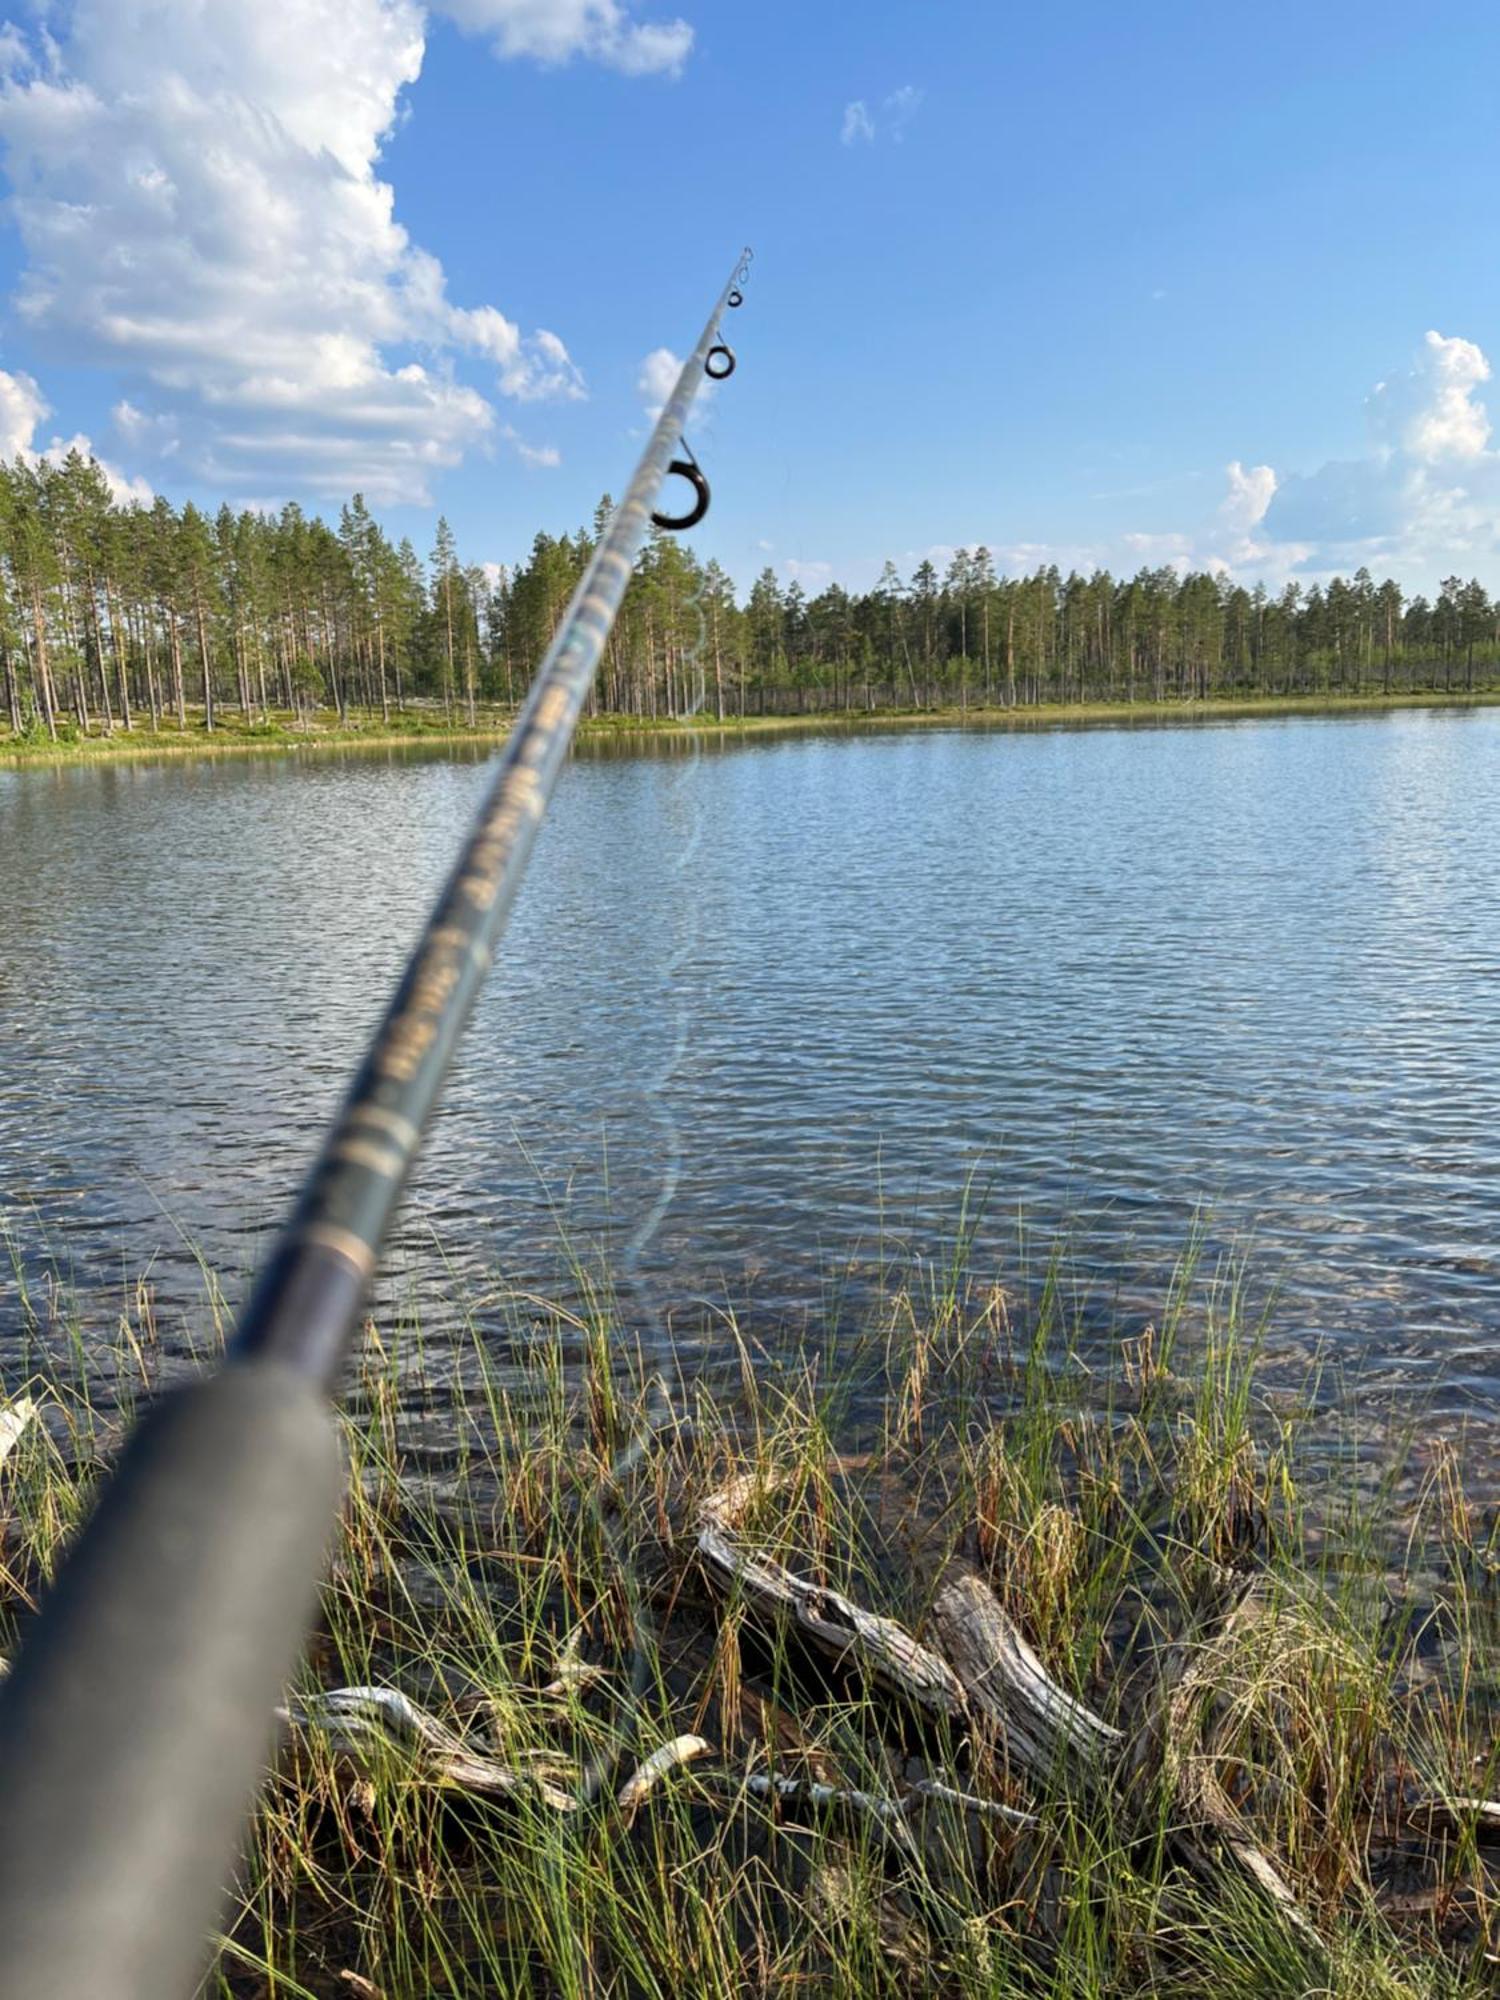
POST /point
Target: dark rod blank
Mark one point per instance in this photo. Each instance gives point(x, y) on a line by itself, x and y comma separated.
point(307, 1302)
point(135, 1725)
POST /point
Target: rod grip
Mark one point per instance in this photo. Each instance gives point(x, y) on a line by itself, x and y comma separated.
point(136, 1725)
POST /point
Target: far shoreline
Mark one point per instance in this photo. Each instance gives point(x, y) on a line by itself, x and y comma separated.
point(234, 739)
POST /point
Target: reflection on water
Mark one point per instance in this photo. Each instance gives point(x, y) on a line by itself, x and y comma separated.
point(1102, 977)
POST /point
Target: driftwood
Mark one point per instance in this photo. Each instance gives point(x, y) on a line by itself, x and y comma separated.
point(1041, 1730)
point(927, 1791)
point(14, 1417)
point(366, 1728)
point(986, 1674)
point(882, 1651)
point(1457, 1817)
point(976, 1672)
point(648, 1775)
point(369, 1728)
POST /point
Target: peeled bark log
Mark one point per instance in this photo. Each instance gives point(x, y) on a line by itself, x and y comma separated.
point(1043, 1731)
point(371, 1727)
point(842, 1631)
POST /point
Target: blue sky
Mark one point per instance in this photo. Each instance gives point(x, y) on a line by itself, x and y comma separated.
point(1094, 284)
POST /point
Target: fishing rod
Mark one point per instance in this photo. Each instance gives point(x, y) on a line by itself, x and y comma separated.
point(136, 1723)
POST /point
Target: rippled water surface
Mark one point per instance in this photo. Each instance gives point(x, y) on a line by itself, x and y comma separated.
point(768, 1009)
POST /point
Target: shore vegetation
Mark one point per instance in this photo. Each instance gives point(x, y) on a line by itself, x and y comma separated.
point(952, 1654)
point(119, 618)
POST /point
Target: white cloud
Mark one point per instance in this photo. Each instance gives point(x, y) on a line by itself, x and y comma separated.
point(900, 108)
point(889, 120)
point(812, 576)
point(531, 454)
point(1250, 494)
point(658, 378)
point(1151, 550)
point(1430, 412)
point(1424, 501)
point(554, 31)
point(857, 124)
point(123, 488)
point(197, 193)
point(22, 408)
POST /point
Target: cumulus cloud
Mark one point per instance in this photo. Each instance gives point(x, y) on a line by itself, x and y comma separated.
point(22, 408)
point(1250, 494)
point(889, 119)
point(658, 376)
point(1431, 412)
point(554, 31)
point(657, 379)
point(1423, 500)
point(196, 189)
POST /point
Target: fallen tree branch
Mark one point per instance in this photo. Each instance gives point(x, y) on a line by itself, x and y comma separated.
point(369, 1727)
point(1042, 1729)
point(880, 1649)
point(927, 1791)
point(649, 1774)
point(1457, 1816)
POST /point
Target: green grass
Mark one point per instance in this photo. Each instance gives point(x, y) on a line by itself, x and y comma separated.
point(234, 736)
point(951, 1427)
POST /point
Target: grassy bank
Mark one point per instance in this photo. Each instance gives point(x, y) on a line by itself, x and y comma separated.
point(323, 731)
point(573, 1564)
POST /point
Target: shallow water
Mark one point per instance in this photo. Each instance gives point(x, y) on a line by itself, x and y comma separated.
point(775, 1012)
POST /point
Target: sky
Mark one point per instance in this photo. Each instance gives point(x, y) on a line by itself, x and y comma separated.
point(1206, 286)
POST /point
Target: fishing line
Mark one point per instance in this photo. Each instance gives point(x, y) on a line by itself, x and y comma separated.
point(654, 1094)
point(659, 1413)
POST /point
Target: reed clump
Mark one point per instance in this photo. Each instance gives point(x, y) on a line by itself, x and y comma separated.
point(932, 1659)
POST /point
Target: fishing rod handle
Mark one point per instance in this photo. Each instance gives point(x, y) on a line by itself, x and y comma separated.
point(138, 1721)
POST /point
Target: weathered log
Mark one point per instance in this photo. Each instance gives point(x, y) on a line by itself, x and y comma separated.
point(649, 1774)
point(1042, 1730)
point(370, 1727)
point(14, 1417)
point(841, 1630)
point(927, 1791)
point(1457, 1817)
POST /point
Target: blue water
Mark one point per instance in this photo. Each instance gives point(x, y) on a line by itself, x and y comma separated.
point(810, 991)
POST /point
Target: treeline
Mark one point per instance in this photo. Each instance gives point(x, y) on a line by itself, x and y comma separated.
point(112, 614)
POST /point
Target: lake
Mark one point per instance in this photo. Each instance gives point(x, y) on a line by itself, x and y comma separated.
point(774, 1015)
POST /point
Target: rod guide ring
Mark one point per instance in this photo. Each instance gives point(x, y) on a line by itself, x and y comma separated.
point(690, 470)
